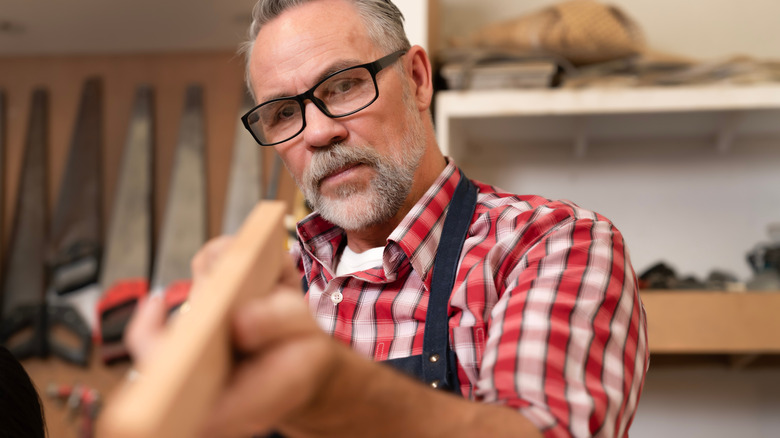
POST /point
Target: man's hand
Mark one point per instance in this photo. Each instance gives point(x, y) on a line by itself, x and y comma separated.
point(288, 361)
point(287, 356)
point(295, 378)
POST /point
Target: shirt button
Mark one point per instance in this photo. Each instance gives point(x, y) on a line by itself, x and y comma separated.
point(337, 297)
point(435, 384)
point(434, 358)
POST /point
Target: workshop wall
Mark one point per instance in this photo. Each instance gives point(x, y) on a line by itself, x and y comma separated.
point(220, 74)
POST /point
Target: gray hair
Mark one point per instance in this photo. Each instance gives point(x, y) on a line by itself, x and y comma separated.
point(384, 23)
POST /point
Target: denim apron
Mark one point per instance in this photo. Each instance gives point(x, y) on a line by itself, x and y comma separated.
point(437, 366)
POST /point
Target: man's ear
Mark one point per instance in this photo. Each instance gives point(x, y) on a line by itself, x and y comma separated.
point(419, 67)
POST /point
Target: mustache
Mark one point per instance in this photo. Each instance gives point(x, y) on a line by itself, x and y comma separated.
point(329, 160)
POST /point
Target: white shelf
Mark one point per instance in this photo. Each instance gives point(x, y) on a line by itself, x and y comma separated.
point(723, 113)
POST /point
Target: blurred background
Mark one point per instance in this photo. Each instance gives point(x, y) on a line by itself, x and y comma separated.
point(662, 115)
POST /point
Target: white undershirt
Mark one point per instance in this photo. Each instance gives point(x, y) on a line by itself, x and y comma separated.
point(352, 261)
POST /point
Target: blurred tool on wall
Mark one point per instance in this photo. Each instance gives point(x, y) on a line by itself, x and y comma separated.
point(76, 240)
point(24, 275)
point(184, 225)
point(127, 259)
point(31, 326)
point(246, 179)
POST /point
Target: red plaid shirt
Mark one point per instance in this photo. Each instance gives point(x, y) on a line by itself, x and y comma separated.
point(545, 316)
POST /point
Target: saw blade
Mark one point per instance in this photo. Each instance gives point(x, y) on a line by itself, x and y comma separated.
point(127, 257)
point(245, 186)
point(128, 246)
point(76, 227)
point(184, 225)
point(24, 278)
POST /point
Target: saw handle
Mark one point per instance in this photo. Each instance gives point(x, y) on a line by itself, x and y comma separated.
point(40, 321)
point(116, 307)
point(24, 332)
point(77, 267)
point(114, 310)
point(75, 350)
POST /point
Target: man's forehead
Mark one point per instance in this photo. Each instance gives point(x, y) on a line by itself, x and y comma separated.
point(302, 45)
point(323, 24)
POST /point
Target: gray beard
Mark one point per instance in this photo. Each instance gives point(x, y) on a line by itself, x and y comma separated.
point(359, 206)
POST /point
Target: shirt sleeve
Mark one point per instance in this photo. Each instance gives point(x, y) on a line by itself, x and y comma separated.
point(567, 342)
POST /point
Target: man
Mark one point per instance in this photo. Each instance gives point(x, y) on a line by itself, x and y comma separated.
point(520, 315)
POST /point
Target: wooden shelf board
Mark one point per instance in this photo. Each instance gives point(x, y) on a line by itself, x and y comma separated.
point(710, 322)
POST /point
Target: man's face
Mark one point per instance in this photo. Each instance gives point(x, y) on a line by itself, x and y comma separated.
point(357, 170)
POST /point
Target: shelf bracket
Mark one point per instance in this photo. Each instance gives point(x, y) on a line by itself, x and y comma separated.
point(727, 131)
point(580, 137)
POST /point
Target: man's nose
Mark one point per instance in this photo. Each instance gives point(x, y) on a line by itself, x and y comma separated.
point(321, 130)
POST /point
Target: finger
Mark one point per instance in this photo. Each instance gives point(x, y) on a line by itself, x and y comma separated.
point(145, 327)
point(265, 389)
point(206, 257)
point(269, 319)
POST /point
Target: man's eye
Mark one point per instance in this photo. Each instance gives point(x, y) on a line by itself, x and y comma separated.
point(286, 112)
point(281, 112)
point(344, 85)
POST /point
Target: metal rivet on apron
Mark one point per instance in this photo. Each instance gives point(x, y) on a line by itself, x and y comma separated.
point(435, 384)
point(337, 297)
point(434, 358)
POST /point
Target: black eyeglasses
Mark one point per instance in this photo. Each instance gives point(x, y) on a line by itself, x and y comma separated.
point(340, 94)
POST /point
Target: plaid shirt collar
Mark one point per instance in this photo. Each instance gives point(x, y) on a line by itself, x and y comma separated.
point(414, 241)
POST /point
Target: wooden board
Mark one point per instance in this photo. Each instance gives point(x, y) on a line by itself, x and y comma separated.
point(705, 322)
point(191, 362)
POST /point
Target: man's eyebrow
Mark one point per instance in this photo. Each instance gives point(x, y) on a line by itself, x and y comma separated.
point(333, 68)
point(338, 65)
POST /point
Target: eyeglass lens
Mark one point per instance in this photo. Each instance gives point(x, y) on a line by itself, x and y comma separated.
point(339, 95)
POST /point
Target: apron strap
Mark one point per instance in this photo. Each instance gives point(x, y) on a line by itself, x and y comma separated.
point(445, 266)
point(438, 362)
